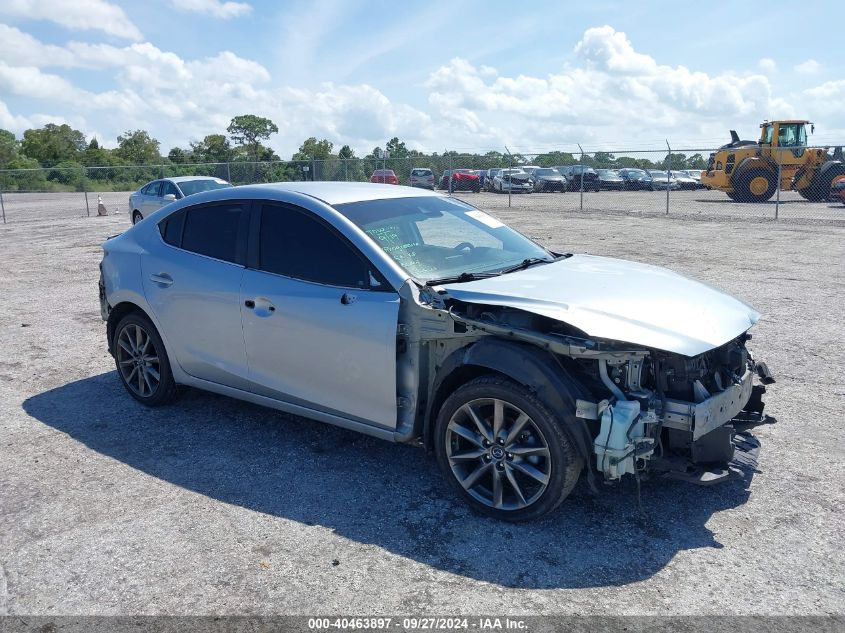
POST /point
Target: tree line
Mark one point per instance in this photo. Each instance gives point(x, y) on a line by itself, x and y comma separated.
point(59, 157)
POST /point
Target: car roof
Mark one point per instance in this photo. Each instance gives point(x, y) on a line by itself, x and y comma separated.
point(187, 178)
point(329, 192)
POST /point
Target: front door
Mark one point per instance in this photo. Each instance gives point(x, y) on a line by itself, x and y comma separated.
point(319, 328)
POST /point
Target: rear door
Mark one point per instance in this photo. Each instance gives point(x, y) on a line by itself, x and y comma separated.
point(192, 279)
point(319, 324)
point(150, 201)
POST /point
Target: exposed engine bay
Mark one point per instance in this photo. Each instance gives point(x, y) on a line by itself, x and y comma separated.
point(651, 410)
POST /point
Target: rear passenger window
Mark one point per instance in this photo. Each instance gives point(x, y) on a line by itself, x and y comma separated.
point(296, 244)
point(153, 188)
point(171, 229)
point(214, 230)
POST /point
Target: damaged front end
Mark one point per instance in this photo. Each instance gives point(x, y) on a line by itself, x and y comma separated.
point(650, 410)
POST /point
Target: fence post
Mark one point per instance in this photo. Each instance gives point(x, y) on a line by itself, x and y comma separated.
point(346, 169)
point(450, 174)
point(777, 199)
point(668, 174)
point(228, 172)
point(582, 176)
point(85, 191)
point(2, 204)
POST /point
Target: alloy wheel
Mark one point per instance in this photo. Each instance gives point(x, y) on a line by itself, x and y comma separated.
point(498, 454)
point(138, 360)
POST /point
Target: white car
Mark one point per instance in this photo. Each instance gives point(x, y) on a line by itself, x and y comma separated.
point(513, 180)
point(154, 195)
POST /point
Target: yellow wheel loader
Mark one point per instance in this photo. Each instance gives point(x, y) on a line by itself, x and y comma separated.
point(748, 170)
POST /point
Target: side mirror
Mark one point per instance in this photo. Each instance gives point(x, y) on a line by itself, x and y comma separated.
point(169, 197)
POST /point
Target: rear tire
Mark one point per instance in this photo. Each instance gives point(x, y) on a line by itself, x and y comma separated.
point(755, 185)
point(518, 468)
point(142, 362)
point(822, 183)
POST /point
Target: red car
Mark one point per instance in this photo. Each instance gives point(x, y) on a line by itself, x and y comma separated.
point(837, 191)
point(385, 176)
point(462, 180)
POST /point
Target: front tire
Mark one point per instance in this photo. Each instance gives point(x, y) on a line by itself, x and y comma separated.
point(142, 362)
point(504, 450)
point(756, 185)
point(136, 217)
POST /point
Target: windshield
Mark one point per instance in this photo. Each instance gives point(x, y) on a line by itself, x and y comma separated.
point(433, 237)
point(547, 172)
point(659, 174)
point(421, 172)
point(636, 172)
point(190, 187)
point(607, 172)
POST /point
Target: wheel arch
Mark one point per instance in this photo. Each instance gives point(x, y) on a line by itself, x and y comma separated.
point(754, 162)
point(528, 365)
point(116, 314)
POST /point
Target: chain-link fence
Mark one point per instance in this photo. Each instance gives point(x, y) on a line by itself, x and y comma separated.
point(742, 181)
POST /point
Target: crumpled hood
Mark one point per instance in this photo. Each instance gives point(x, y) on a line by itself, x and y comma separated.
point(619, 300)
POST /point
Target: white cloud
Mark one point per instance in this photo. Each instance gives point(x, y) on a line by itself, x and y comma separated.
point(809, 67)
point(615, 93)
point(607, 96)
point(767, 65)
point(76, 15)
point(215, 8)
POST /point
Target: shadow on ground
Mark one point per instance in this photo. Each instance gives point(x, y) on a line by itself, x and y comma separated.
point(373, 492)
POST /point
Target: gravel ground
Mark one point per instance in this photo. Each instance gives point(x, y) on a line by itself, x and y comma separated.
point(214, 506)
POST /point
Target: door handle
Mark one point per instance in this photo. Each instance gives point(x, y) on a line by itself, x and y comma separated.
point(347, 298)
point(162, 279)
point(262, 306)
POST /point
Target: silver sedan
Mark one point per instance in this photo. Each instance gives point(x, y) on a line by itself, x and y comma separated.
point(154, 195)
point(412, 316)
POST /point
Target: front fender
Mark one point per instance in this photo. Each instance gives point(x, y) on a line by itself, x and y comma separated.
point(537, 369)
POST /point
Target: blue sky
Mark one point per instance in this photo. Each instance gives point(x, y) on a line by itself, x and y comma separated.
point(440, 75)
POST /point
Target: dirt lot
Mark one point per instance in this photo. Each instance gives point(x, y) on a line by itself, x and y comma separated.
point(213, 506)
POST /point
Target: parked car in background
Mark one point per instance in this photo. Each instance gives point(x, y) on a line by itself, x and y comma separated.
point(460, 180)
point(384, 176)
point(529, 169)
point(662, 180)
point(575, 174)
point(635, 179)
point(154, 195)
point(416, 318)
point(837, 190)
point(513, 181)
point(695, 174)
point(684, 180)
point(489, 176)
point(422, 177)
point(548, 179)
point(610, 180)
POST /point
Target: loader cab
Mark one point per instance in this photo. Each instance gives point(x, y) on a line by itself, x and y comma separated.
point(784, 134)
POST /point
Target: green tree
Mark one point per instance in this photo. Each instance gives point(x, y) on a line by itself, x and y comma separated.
point(248, 130)
point(9, 147)
point(137, 147)
point(214, 148)
point(550, 159)
point(179, 156)
point(604, 159)
point(312, 149)
point(696, 161)
point(346, 152)
point(53, 144)
point(396, 148)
